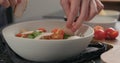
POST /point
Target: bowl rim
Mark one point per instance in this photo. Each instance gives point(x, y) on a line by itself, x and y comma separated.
point(91, 34)
point(111, 22)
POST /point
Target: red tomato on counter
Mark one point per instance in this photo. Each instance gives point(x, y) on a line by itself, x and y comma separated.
point(111, 33)
point(98, 27)
point(99, 34)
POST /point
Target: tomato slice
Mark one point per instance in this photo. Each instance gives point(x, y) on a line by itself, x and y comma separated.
point(42, 29)
point(19, 35)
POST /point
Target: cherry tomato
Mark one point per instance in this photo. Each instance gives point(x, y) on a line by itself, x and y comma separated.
point(98, 27)
point(19, 35)
point(111, 33)
point(42, 29)
point(99, 34)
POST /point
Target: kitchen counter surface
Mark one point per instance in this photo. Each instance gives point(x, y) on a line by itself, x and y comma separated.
point(113, 55)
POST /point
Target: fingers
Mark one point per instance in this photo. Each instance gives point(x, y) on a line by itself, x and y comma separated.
point(74, 9)
point(86, 13)
point(20, 8)
point(83, 14)
point(87, 9)
point(5, 3)
point(66, 6)
point(13, 3)
point(97, 6)
point(93, 10)
point(100, 6)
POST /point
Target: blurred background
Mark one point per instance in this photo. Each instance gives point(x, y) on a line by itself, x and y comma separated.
point(39, 8)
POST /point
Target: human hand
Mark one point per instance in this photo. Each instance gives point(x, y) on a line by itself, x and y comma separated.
point(8, 3)
point(85, 10)
point(18, 6)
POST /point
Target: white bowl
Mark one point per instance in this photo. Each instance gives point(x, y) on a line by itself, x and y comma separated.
point(105, 21)
point(46, 50)
point(110, 13)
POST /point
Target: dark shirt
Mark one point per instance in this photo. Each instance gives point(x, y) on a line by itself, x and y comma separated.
point(3, 18)
point(3, 22)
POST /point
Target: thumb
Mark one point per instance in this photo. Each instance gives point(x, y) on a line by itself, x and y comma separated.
point(66, 6)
